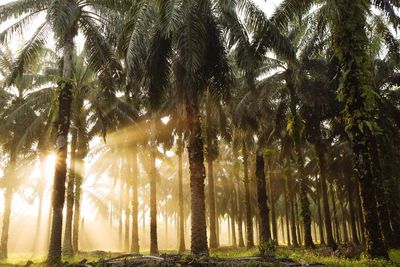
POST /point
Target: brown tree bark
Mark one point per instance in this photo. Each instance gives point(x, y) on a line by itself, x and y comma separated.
point(249, 216)
point(180, 196)
point(265, 232)
point(67, 248)
point(63, 124)
point(197, 177)
point(135, 205)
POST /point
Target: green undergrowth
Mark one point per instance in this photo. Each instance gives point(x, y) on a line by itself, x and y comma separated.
point(298, 255)
point(307, 256)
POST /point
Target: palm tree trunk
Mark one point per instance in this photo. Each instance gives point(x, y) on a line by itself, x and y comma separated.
point(272, 205)
point(238, 203)
point(67, 244)
point(180, 195)
point(127, 211)
point(63, 124)
point(233, 229)
point(357, 94)
point(249, 216)
point(319, 147)
point(344, 223)
point(153, 189)
point(234, 216)
point(77, 202)
point(135, 205)
point(211, 203)
point(394, 209)
point(381, 197)
point(292, 212)
point(350, 189)
point(8, 196)
point(287, 214)
point(197, 177)
point(305, 205)
point(320, 221)
point(335, 219)
point(265, 232)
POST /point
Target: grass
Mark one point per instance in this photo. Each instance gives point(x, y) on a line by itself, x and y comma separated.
point(303, 256)
point(298, 255)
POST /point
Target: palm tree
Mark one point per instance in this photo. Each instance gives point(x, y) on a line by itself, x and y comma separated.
point(64, 18)
point(23, 127)
point(356, 92)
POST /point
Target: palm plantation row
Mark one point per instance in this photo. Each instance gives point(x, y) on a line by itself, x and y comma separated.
point(292, 120)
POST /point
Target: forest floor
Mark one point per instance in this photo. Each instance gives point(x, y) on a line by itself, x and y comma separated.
point(226, 256)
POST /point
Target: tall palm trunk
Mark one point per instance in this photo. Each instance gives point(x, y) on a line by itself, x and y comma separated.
point(126, 207)
point(211, 201)
point(180, 195)
point(197, 177)
point(285, 199)
point(265, 232)
point(272, 204)
point(350, 190)
point(153, 188)
point(319, 147)
point(77, 201)
point(381, 197)
point(305, 204)
point(335, 219)
point(320, 220)
point(8, 197)
point(344, 223)
point(357, 94)
point(239, 209)
point(249, 215)
point(63, 124)
point(291, 200)
point(135, 204)
point(67, 244)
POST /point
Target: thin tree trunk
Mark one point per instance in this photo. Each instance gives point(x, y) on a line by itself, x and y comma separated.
point(211, 203)
point(249, 216)
point(180, 196)
point(292, 212)
point(344, 224)
point(239, 206)
point(265, 232)
point(320, 221)
point(325, 201)
point(153, 189)
point(77, 202)
point(272, 205)
point(135, 205)
point(197, 177)
point(305, 204)
point(63, 124)
point(287, 213)
point(299, 235)
point(67, 248)
point(233, 228)
point(350, 190)
point(8, 196)
point(127, 210)
point(335, 219)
